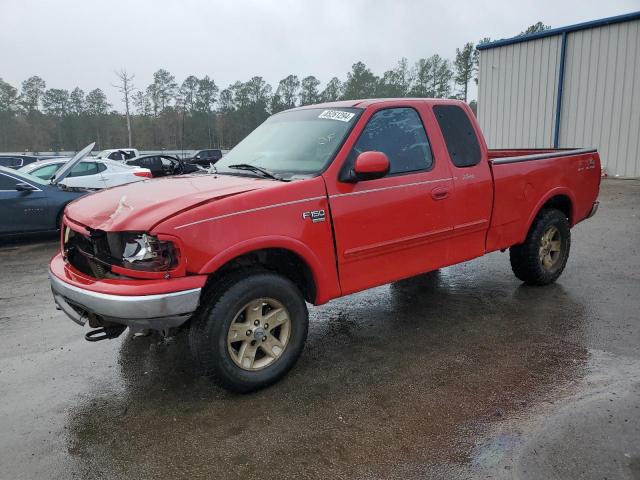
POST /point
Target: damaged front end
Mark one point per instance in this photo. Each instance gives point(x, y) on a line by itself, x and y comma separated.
point(114, 280)
point(122, 254)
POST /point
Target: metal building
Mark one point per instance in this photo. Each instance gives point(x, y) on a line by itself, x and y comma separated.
point(575, 86)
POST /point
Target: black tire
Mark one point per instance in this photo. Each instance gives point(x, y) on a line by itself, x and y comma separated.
point(210, 327)
point(526, 261)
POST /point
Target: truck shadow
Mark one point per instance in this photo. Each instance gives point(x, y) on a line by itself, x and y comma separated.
point(412, 370)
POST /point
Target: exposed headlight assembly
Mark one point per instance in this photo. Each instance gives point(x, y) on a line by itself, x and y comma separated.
point(141, 251)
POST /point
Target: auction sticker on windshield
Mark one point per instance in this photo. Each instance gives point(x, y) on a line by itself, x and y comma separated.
point(337, 115)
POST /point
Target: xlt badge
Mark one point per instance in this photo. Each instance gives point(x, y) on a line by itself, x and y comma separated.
point(314, 215)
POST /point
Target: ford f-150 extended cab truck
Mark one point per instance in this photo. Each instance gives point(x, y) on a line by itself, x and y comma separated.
point(316, 203)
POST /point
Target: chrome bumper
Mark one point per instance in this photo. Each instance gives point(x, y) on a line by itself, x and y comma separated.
point(154, 312)
point(594, 209)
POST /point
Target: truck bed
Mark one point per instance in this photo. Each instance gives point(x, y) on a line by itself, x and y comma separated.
point(526, 179)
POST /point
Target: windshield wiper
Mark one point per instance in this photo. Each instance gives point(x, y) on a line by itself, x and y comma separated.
point(254, 168)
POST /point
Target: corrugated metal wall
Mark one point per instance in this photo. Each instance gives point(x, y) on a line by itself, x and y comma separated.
point(517, 93)
point(601, 94)
point(601, 98)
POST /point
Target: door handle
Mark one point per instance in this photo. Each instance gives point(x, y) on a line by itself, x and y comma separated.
point(439, 193)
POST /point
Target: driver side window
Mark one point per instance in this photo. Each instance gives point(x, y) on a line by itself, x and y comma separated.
point(398, 133)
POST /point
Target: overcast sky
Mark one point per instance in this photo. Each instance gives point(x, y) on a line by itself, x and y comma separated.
point(81, 42)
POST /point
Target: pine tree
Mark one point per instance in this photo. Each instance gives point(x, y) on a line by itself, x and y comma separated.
point(464, 68)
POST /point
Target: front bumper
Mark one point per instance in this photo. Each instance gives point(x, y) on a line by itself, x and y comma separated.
point(594, 209)
point(156, 312)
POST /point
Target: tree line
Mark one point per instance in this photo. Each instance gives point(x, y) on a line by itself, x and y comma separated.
point(196, 113)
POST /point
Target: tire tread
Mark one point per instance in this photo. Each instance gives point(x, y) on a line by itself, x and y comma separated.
point(524, 257)
point(202, 346)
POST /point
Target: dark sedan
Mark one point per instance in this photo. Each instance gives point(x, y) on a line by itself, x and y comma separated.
point(206, 157)
point(17, 161)
point(29, 204)
point(163, 165)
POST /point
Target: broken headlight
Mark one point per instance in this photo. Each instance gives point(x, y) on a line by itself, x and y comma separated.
point(141, 251)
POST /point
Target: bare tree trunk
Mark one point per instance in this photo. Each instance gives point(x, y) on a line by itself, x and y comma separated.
point(126, 87)
point(129, 126)
point(209, 129)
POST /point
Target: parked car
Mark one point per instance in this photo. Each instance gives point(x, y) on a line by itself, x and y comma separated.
point(163, 165)
point(317, 203)
point(10, 162)
point(118, 154)
point(206, 157)
point(16, 161)
point(29, 204)
point(90, 173)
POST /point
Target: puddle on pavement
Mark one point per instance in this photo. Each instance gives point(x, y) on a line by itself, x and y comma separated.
point(415, 371)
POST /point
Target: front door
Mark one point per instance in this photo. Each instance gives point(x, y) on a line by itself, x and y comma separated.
point(22, 211)
point(392, 227)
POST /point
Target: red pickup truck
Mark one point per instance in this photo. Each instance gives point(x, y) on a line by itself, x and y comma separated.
point(318, 202)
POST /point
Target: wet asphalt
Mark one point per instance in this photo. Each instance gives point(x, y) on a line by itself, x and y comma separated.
point(462, 373)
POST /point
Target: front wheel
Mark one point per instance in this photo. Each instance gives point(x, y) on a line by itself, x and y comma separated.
point(542, 257)
point(251, 331)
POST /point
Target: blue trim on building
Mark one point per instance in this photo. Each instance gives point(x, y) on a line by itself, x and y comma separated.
point(556, 128)
point(627, 17)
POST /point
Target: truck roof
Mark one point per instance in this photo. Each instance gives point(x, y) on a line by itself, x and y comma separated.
point(367, 102)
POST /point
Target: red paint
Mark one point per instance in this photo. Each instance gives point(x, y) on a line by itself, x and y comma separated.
point(371, 162)
point(70, 275)
point(376, 231)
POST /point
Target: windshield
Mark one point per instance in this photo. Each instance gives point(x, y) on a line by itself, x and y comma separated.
point(103, 153)
point(24, 176)
point(294, 143)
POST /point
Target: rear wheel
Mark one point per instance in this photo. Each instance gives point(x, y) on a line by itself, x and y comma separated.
point(251, 330)
point(542, 257)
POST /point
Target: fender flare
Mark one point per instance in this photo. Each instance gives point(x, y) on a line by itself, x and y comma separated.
point(271, 241)
point(554, 192)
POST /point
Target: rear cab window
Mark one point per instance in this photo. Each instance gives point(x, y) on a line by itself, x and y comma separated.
point(459, 135)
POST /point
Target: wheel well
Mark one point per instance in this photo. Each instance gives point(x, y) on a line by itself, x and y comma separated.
point(279, 260)
point(562, 203)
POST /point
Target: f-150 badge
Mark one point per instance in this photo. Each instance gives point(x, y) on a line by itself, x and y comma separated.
point(314, 215)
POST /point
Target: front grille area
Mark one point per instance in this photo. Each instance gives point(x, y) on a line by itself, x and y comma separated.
point(88, 254)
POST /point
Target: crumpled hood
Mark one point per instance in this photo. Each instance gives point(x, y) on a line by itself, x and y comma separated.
point(142, 205)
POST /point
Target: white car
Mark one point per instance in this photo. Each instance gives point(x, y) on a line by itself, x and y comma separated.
point(91, 173)
point(118, 154)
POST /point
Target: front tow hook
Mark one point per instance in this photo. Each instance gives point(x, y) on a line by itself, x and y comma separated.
point(105, 333)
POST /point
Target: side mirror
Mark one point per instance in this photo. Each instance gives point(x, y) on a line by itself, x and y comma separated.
point(25, 187)
point(369, 166)
point(197, 157)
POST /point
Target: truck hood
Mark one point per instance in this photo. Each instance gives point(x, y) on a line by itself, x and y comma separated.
point(142, 205)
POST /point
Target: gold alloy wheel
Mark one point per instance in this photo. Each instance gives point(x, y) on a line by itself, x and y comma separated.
point(550, 248)
point(259, 334)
